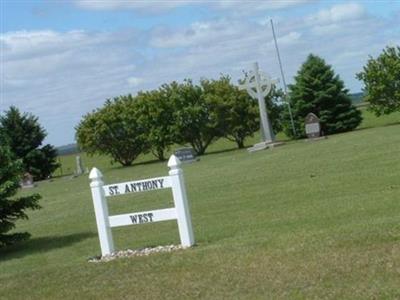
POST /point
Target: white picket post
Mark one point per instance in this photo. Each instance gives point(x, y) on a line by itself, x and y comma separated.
point(181, 203)
point(101, 212)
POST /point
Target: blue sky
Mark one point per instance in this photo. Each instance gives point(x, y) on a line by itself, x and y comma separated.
point(62, 59)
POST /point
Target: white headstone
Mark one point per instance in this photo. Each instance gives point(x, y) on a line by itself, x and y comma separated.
point(79, 166)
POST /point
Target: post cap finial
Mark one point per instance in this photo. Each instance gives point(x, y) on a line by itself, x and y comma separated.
point(174, 162)
point(95, 174)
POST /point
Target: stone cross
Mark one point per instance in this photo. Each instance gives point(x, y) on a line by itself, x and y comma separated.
point(258, 85)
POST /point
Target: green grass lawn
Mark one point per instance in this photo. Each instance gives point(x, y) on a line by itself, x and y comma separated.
point(302, 221)
point(369, 119)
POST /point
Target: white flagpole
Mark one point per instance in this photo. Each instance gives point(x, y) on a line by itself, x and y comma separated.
point(283, 78)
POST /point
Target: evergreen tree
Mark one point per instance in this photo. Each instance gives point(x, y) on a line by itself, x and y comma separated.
point(318, 90)
point(12, 208)
point(24, 135)
point(41, 163)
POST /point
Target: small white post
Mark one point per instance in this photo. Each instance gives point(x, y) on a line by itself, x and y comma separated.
point(101, 212)
point(181, 203)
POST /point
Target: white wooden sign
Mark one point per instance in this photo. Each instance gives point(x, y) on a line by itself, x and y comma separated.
point(180, 212)
point(137, 186)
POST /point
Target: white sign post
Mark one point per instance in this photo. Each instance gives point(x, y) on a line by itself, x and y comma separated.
point(258, 85)
point(180, 212)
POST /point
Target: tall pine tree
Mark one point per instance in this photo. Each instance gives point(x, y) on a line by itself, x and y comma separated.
point(318, 90)
point(12, 208)
point(24, 135)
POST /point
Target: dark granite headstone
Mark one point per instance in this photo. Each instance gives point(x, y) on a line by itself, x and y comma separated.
point(313, 127)
point(186, 155)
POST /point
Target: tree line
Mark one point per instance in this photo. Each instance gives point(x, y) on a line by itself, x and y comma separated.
point(175, 113)
point(199, 114)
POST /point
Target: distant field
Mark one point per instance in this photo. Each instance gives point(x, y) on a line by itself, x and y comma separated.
point(303, 221)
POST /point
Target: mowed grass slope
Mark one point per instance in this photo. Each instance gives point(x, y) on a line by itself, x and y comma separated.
point(305, 220)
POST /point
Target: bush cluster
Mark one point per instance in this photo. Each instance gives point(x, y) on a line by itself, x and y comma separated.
point(176, 113)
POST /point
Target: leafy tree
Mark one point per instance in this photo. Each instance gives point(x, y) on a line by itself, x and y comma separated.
point(197, 119)
point(275, 108)
point(155, 113)
point(243, 117)
point(24, 135)
point(318, 90)
point(12, 208)
point(114, 130)
point(381, 77)
point(234, 112)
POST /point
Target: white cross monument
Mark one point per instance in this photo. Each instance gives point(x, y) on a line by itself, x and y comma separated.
point(258, 85)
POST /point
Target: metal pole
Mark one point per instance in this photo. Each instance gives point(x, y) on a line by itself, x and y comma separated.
point(283, 78)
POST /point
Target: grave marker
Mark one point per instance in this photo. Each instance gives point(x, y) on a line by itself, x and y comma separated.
point(312, 127)
point(27, 181)
point(180, 212)
point(79, 166)
point(186, 155)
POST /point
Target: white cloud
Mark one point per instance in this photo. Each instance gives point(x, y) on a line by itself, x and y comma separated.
point(196, 34)
point(338, 13)
point(61, 76)
point(255, 6)
point(289, 39)
point(326, 29)
point(149, 6)
point(157, 6)
point(134, 81)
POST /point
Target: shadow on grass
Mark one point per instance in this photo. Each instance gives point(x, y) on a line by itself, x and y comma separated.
point(148, 162)
point(384, 125)
point(64, 175)
point(42, 244)
point(141, 163)
point(222, 151)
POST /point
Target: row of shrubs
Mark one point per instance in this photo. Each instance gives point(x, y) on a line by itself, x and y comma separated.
point(199, 114)
point(176, 113)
